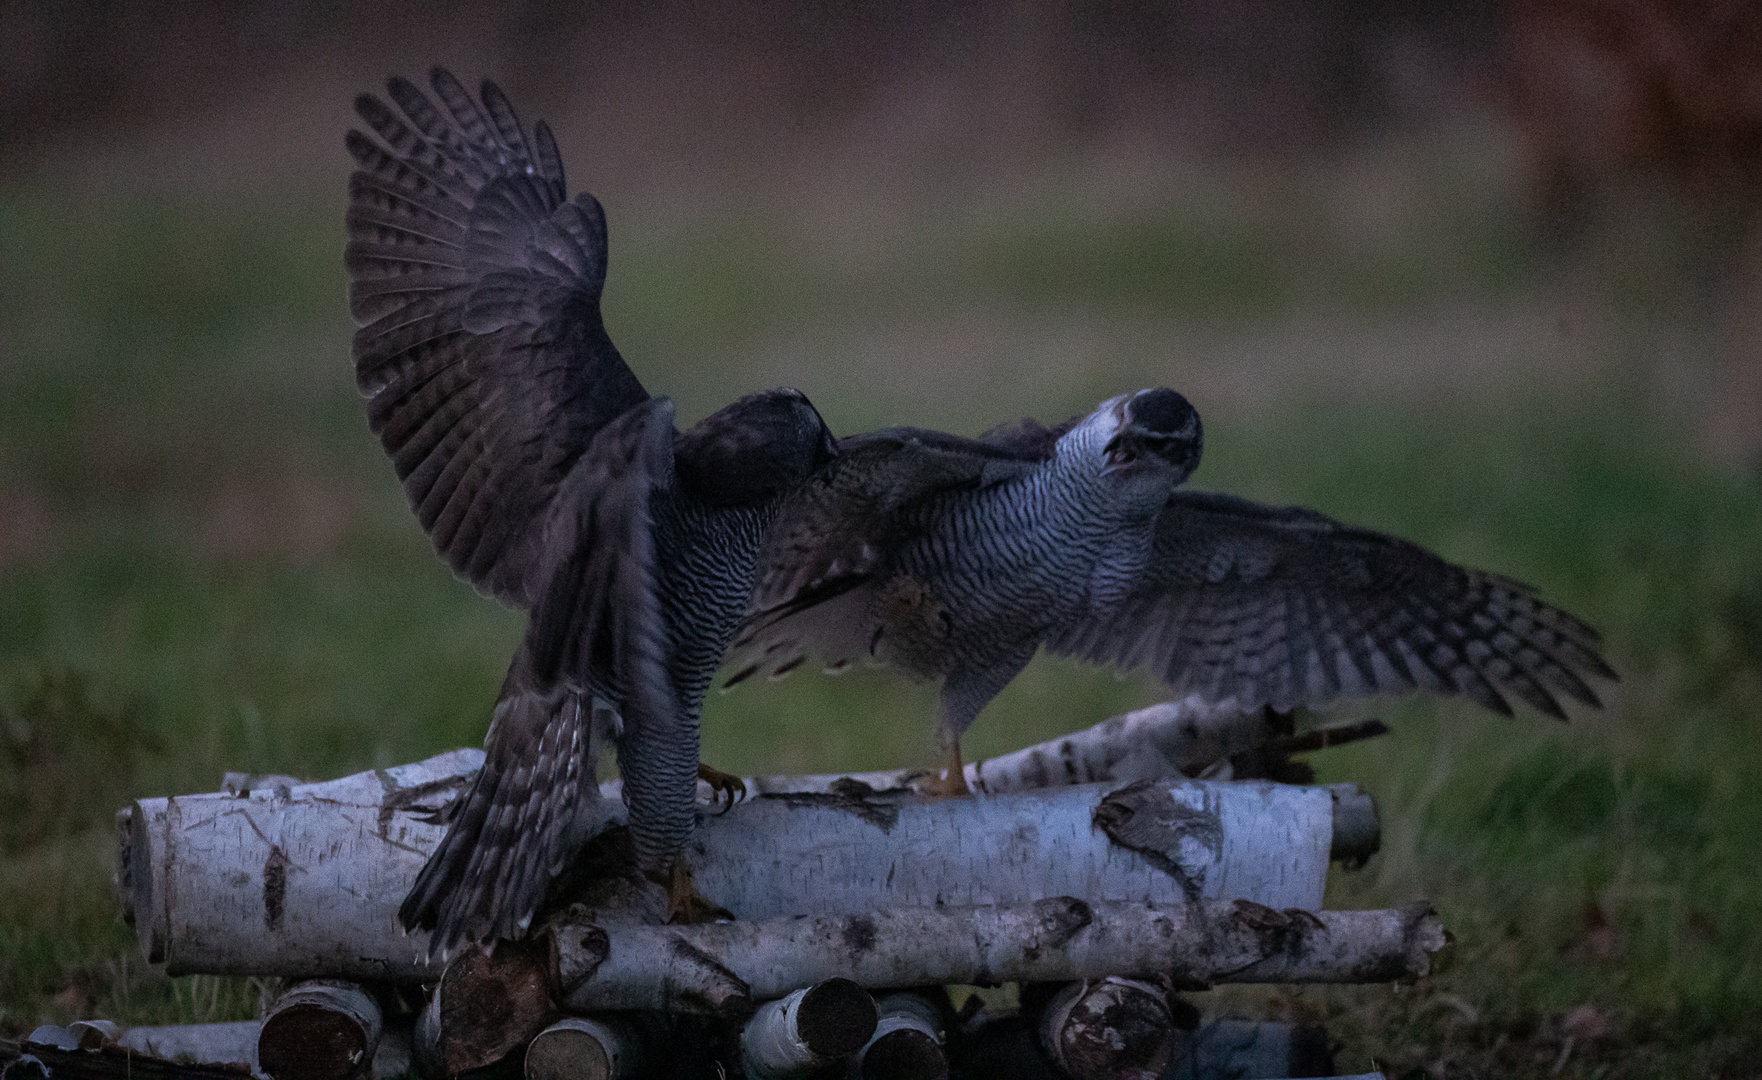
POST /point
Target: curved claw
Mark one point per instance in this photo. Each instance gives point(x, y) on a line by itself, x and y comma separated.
point(722, 785)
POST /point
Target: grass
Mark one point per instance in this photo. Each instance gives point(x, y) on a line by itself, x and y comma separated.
point(205, 565)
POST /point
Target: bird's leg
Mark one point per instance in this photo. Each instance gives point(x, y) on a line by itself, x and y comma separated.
point(951, 781)
point(964, 693)
point(685, 905)
point(722, 784)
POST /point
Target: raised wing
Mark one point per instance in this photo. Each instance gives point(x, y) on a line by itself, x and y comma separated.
point(477, 290)
point(1285, 607)
point(598, 621)
point(839, 534)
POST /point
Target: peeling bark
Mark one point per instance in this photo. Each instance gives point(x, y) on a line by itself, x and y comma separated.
point(1059, 939)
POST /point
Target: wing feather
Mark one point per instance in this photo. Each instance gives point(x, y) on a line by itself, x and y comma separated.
point(481, 348)
point(1284, 607)
point(596, 630)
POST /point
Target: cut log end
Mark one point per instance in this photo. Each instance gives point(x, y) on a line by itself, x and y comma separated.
point(808, 1030)
point(581, 1048)
point(1110, 1028)
point(905, 1054)
point(836, 1018)
point(319, 1030)
point(488, 1004)
point(908, 1039)
point(1358, 830)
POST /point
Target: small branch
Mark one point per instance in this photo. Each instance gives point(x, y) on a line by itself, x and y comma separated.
point(1054, 940)
point(1171, 738)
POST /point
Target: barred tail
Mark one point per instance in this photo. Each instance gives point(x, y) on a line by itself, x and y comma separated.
point(529, 810)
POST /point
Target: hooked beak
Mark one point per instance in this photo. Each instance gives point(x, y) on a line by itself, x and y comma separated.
point(1121, 452)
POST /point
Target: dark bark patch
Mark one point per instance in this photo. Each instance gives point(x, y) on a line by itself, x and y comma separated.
point(1178, 840)
point(275, 888)
point(1059, 919)
point(850, 796)
point(858, 935)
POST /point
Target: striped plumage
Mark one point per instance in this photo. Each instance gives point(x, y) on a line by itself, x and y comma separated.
point(546, 475)
point(957, 559)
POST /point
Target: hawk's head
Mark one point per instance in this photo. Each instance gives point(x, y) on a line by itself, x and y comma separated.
point(1157, 433)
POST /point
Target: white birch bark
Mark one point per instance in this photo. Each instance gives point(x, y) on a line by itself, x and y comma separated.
point(300, 881)
point(305, 881)
point(724, 967)
point(1171, 738)
point(206, 1043)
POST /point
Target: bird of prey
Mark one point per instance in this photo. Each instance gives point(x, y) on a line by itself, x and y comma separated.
point(547, 476)
point(956, 559)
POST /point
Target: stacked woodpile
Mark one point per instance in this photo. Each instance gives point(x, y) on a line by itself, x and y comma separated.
point(1092, 873)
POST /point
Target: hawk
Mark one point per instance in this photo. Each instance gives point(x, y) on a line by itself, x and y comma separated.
point(547, 476)
point(956, 559)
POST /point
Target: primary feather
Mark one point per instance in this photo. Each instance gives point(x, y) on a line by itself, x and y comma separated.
point(547, 477)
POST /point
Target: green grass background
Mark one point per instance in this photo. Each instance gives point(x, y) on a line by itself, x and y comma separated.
point(205, 563)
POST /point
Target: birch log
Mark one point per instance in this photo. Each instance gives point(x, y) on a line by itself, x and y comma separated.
point(806, 1031)
point(724, 967)
point(321, 1029)
point(585, 1048)
point(1172, 738)
point(234, 1041)
point(907, 1044)
point(1223, 1047)
point(305, 881)
point(228, 1049)
point(1109, 1029)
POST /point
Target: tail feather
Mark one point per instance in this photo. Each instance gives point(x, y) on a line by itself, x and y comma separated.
point(516, 827)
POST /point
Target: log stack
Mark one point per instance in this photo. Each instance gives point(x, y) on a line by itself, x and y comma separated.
point(1092, 866)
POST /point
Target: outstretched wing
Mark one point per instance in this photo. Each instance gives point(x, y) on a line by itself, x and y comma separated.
point(1285, 607)
point(596, 630)
point(477, 290)
point(838, 537)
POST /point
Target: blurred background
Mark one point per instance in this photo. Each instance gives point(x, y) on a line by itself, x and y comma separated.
point(1484, 275)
